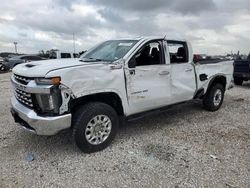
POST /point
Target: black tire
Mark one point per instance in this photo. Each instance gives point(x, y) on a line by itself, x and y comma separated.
point(211, 100)
point(238, 81)
point(3, 68)
point(85, 115)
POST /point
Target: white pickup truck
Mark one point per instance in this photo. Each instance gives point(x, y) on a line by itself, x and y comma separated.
point(117, 79)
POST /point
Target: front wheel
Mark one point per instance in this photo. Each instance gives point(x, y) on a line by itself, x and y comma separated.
point(94, 126)
point(214, 98)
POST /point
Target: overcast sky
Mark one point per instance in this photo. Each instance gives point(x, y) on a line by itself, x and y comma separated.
point(213, 26)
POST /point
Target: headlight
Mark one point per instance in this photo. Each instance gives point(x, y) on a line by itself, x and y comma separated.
point(49, 103)
point(48, 81)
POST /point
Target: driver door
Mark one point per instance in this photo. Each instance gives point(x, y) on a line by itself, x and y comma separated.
point(148, 78)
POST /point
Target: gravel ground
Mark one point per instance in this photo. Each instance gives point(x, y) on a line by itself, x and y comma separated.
point(182, 147)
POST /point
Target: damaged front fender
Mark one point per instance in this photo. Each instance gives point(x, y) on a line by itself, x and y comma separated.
point(66, 94)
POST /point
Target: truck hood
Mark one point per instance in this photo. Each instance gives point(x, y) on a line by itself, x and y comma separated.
point(41, 68)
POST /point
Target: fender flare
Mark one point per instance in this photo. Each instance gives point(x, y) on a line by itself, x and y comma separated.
point(217, 76)
point(98, 94)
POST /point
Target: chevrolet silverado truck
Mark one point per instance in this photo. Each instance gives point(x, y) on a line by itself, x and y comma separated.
point(116, 80)
point(241, 71)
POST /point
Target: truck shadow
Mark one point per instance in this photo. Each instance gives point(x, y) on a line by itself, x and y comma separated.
point(63, 143)
point(175, 116)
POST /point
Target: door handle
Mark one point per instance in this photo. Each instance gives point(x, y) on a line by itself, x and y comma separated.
point(188, 70)
point(164, 73)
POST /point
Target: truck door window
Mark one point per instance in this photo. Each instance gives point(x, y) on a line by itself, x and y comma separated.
point(178, 52)
point(149, 54)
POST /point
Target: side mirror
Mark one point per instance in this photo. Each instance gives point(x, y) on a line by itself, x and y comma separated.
point(133, 60)
point(132, 63)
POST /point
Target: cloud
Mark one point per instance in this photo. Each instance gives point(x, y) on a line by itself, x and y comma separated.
point(181, 6)
point(213, 26)
point(194, 6)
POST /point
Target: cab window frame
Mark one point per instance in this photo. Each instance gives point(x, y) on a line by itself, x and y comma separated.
point(132, 61)
point(184, 44)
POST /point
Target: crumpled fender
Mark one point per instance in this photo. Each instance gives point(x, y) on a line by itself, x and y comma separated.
point(92, 79)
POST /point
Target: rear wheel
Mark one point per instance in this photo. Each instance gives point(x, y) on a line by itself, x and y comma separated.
point(214, 97)
point(94, 126)
point(238, 81)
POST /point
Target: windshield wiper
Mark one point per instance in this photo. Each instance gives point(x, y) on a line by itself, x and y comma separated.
point(95, 59)
point(91, 59)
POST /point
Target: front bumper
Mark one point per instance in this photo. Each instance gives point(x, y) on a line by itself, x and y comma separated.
point(39, 125)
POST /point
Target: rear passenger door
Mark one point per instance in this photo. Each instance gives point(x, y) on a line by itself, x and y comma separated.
point(183, 80)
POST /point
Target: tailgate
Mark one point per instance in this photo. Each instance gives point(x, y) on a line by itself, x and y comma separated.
point(242, 66)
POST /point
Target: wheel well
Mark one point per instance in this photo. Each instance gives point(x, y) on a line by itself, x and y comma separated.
point(109, 98)
point(218, 79)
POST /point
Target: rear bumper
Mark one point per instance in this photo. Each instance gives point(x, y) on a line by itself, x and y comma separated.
point(245, 76)
point(29, 120)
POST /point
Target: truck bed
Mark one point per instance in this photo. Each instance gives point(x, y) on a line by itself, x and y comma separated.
point(214, 68)
point(211, 61)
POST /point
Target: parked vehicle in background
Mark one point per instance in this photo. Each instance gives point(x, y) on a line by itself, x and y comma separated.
point(12, 62)
point(118, 79)
point(1, 64)
point(241, 71)
point(1, 59)
point(57, 54)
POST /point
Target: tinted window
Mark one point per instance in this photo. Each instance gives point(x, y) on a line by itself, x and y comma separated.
point(178, 52)
point(65, 55)
point(149, 54)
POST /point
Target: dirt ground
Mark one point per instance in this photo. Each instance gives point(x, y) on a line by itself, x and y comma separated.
point(185, 146)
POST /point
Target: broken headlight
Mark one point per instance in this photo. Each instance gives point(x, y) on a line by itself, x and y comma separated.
point(49, 103)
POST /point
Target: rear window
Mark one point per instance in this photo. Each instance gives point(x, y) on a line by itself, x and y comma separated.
point(178, 51)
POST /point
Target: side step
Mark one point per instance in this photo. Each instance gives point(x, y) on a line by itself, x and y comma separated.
point(151, 112)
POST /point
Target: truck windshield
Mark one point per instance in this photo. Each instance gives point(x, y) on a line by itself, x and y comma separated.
point(111, 50)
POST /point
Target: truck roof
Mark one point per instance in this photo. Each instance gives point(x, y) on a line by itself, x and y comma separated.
point(150, 38)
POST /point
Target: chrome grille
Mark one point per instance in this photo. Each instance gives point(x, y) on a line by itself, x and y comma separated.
point(23, 97)
point(22, 79)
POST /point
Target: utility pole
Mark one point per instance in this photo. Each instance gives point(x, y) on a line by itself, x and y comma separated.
point(74, 45)
point(15, 43)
